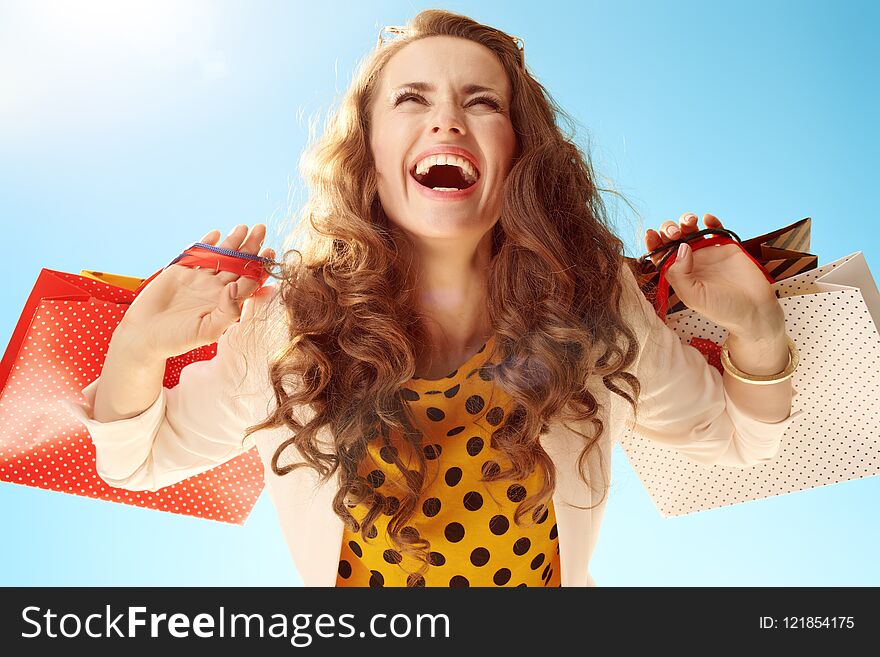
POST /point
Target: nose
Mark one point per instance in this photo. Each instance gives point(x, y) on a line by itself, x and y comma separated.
point(454, 128)
point(447, 118)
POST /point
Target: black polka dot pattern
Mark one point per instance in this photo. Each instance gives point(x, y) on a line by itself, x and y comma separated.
point(454, 532)
point(435, 414)
point(540, 514)
point(377, 579)
point(392, 556)
point(499, 524)
point(474, 404)
point(474, 446)
point(468, 522)
point(409, 395)
point(453, 476)
point(501, 576)
point(516, 493)
point(522, 545)
point(376, 478)
point(495, 416)
point(480, 556)
point(431, 507)
point(472, 500)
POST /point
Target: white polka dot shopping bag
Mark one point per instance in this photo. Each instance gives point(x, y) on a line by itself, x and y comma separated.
point(57, 348)
point(832, 314)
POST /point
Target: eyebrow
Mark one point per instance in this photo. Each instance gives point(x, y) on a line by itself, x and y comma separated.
point(427, 86)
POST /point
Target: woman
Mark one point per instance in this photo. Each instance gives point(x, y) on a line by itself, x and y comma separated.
point(456, 349)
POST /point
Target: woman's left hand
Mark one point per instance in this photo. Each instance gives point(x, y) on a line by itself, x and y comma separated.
point(721, 282)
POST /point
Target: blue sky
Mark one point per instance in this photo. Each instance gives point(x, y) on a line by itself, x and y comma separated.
point(130, 129)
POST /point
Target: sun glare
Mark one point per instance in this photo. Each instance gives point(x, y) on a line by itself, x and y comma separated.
point(89, 62)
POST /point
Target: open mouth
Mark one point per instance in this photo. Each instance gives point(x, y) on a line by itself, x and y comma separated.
point(444, 177)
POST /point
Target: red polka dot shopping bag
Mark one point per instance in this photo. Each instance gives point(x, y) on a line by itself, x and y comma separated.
point(832, 313)
point(57, 348)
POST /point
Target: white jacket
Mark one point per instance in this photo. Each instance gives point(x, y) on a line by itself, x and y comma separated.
point(199, 424)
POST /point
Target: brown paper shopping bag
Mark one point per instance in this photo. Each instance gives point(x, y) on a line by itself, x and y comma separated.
point(783, 253)
point(832, 313)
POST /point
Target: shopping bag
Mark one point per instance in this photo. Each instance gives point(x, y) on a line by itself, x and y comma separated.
point(57, 348)
point(119, 280)
point(781, 253)
point(832, 313)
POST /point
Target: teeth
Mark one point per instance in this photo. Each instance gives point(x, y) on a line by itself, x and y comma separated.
point(446, 189)
point(467, 169)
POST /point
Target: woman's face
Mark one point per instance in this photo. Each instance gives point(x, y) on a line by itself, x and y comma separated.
point(444, 110)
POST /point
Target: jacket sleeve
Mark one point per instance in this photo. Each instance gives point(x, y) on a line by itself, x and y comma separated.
point(683, 403)
point(199, 423)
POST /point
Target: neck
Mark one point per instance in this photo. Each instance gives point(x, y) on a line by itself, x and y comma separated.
point(452, 286)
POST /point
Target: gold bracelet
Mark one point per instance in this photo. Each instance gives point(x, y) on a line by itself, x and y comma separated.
point(761, 379)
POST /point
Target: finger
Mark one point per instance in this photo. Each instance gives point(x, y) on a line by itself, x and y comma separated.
point(227, 311)
point(240, 239)
point(712, 221)
point(669, 231)
point(688, 223)
point(254, 240)
point(653, 240)
point(247, 285)
point(235, 237)
point(232, 299)
point(211, 237)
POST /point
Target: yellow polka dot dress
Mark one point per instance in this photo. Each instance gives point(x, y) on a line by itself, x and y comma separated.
point(474, 539)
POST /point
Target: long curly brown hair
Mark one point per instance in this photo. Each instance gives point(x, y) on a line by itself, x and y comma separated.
point(554, 300)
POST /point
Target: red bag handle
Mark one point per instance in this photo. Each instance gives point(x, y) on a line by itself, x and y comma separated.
point(719, 237)
point(199, 254)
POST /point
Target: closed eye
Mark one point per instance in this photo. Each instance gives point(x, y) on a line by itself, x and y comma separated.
point(488, 100)
point(411, 95)
point(405, 97)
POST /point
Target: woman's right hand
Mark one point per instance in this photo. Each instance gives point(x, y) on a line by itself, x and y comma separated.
point(184, 308)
